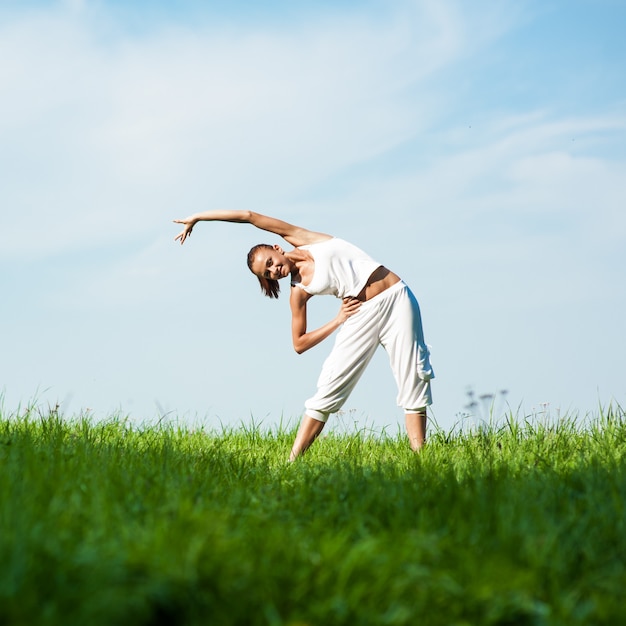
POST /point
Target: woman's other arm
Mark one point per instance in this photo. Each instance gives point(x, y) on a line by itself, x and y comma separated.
point(295, 235)
point(303, 340)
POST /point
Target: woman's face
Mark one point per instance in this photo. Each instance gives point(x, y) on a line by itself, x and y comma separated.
point(271, 263)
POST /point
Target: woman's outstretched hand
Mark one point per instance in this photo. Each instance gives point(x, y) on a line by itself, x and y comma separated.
point(189, 223)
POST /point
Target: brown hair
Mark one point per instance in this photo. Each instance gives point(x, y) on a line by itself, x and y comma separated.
point(269, 286)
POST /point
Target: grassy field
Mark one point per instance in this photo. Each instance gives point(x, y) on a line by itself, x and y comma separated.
point(520, 524)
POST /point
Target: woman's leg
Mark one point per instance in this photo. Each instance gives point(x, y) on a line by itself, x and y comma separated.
point(416, 429)
point(403, 339)
point(354, 347)
point(307, 433)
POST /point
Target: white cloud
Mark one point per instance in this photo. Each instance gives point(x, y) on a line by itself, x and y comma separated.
point(104, 134)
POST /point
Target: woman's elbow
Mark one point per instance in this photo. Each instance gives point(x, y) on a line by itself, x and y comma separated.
point(300, 347)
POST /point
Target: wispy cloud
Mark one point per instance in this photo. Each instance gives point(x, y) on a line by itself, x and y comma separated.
point(103, 133)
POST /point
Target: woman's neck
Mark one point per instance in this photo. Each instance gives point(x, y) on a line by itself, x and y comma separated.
point(303, 265)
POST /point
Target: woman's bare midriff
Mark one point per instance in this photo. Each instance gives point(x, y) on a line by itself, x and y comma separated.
point(381, 279)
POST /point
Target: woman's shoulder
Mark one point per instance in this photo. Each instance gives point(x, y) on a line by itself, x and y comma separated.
point(315, 239)
point(336, 243)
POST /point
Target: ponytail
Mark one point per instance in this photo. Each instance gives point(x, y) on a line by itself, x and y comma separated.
point(269, 287)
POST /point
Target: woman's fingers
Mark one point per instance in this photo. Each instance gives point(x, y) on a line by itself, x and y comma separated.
point(351, 306)
point(186, 232)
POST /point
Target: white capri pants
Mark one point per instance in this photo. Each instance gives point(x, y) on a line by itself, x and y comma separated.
point(391, 319)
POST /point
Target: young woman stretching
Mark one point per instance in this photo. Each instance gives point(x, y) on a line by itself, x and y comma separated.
point(377, 309)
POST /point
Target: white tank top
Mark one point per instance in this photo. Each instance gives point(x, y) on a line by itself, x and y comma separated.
point(341, 269)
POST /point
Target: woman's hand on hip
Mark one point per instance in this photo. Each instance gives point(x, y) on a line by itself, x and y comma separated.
point(349, 307)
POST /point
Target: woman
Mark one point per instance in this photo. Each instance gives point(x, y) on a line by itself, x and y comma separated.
point(377, 309)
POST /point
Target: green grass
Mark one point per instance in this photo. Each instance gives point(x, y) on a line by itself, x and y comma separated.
point(520, 524)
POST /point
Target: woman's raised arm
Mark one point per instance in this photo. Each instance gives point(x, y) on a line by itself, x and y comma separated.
point(295, 235)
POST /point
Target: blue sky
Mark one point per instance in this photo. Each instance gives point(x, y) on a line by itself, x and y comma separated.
point(478, 151)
